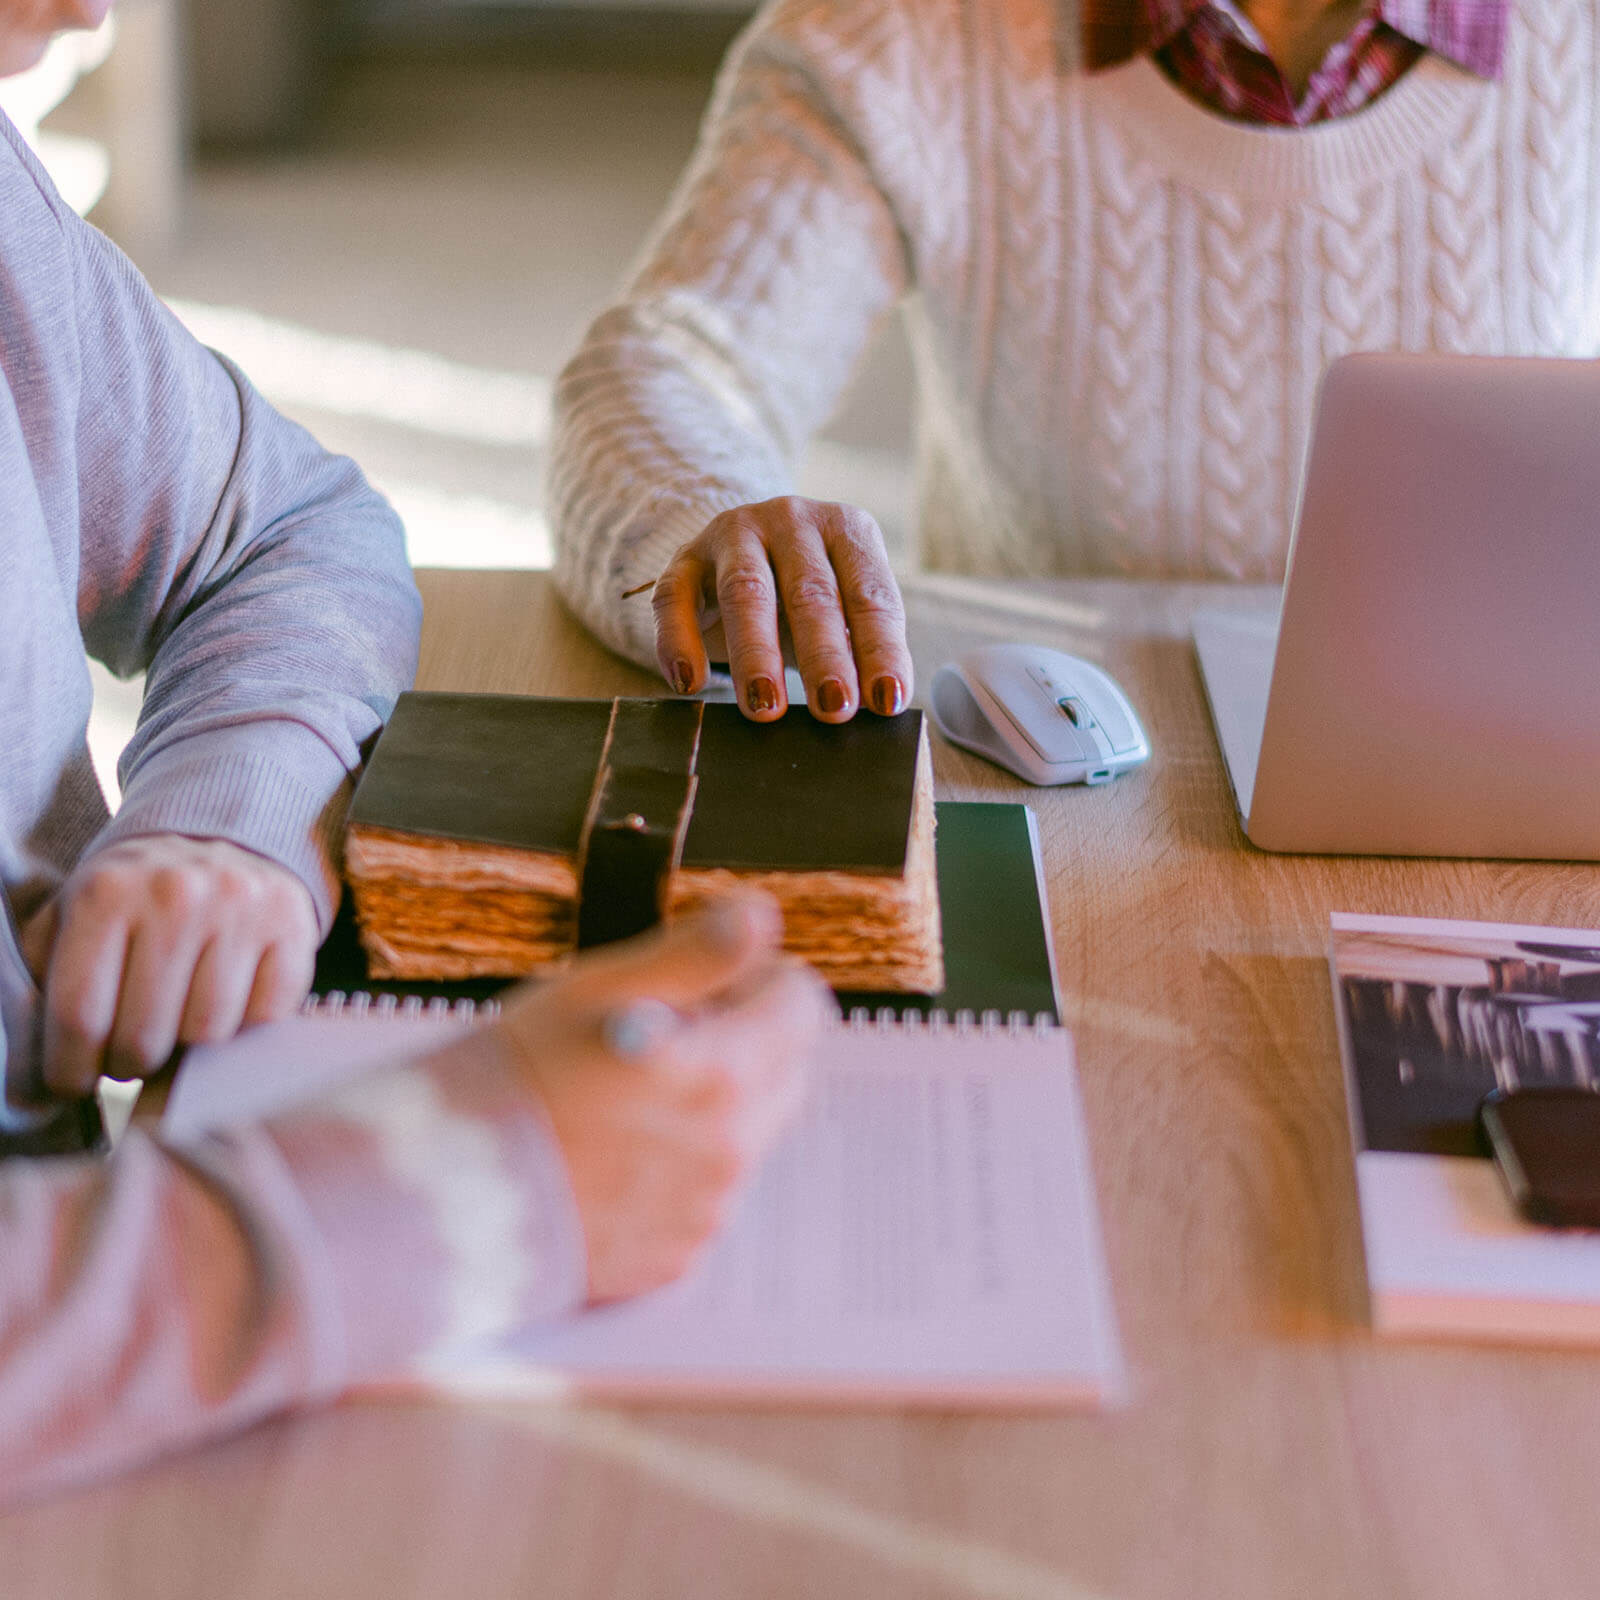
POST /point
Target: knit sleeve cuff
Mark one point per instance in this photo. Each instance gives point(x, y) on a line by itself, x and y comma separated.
point(441, 1198)
point(274, 788)
point(639, 555)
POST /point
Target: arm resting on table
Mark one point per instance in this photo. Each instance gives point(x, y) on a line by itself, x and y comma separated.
point(174, 1294)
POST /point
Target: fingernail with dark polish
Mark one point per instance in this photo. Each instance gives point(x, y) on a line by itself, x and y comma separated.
point(682, 676)
point(761, 695)
point(887, 696)
point(831, 697)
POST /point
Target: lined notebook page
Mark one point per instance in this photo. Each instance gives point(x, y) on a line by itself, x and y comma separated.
point(925, 1234)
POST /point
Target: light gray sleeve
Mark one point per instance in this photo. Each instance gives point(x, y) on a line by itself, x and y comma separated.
point(257, 579)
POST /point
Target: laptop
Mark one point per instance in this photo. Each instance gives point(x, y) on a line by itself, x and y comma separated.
point(1430, 684)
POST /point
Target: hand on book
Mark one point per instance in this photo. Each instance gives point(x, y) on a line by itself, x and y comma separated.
point(164, 940)
point(820, 568)
point(658, 1142)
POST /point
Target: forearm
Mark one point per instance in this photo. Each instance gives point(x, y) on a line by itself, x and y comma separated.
point(292, 648)
point(776, 259)
point(643, 455)
point(258, 582)
point(173, 1295)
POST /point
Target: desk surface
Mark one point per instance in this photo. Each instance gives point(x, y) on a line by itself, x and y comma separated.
point(1272, 1449)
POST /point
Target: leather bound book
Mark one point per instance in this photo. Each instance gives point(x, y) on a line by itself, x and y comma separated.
point(493, 834)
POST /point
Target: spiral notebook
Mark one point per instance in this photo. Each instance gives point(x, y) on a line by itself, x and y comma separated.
point(925, 1235)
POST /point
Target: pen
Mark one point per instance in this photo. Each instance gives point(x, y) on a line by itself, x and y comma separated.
point(638, 1028)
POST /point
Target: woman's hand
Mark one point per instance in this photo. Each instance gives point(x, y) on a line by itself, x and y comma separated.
point(162, 941)
point(667, 1066)
point(821, 569)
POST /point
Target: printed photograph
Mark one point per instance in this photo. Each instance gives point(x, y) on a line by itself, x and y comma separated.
point(1438, 1015)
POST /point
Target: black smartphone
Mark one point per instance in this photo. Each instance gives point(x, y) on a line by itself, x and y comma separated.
point(1546, 1143)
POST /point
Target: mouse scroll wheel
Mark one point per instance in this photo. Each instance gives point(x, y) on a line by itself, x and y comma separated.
point(1075, 712)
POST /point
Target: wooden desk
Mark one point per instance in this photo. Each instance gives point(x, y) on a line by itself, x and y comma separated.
point(1272, 1449)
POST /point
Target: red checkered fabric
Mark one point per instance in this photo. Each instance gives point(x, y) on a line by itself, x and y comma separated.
point(1211, 50)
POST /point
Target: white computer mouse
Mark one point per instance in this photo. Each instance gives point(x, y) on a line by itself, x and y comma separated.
point(1042, 714)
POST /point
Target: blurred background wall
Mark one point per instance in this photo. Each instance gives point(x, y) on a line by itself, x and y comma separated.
point(399, 216)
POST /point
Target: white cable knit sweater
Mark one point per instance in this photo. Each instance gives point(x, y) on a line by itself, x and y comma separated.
point(1120, 303)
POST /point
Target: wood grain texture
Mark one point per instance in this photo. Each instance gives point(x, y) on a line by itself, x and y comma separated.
point(1273, 1448)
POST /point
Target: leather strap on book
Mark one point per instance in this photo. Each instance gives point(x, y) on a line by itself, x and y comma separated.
point(638, 815)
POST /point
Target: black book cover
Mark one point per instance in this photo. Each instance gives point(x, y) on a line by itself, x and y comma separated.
point(517, 770)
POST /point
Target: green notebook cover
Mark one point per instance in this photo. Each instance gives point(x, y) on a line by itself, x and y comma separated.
point(997, 954)
point(991, 898)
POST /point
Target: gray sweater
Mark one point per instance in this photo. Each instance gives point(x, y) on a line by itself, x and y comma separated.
point(156, 512)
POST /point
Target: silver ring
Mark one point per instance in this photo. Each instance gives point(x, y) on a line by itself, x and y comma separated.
point(636, 1029)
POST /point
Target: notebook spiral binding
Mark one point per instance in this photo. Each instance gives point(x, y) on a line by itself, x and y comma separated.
point(360, 1003)
point(988, 1024)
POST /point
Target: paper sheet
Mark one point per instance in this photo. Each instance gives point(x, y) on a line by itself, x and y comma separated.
point(926, 1233)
